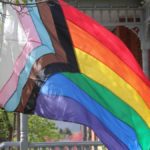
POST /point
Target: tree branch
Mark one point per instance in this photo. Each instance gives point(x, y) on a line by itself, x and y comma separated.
point(24, 2)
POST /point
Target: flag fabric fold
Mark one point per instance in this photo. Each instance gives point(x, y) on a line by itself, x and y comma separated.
point(63, 65)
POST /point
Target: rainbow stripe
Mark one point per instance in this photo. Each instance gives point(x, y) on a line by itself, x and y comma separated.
point(73, 69)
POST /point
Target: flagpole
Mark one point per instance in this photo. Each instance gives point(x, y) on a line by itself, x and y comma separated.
point(24, 132)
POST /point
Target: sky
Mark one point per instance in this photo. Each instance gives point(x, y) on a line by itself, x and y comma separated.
point(72, 126)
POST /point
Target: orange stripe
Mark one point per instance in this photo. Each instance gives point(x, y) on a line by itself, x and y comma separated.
point(90, 45)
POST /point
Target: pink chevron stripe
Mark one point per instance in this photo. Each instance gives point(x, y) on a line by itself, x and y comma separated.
point(33, 41)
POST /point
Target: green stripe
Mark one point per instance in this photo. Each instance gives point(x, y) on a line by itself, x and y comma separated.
point(114, 105)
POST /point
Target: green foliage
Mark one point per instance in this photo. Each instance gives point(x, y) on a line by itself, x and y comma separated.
point(17, 2)
point(25, 2)
point(41, 129)
point(5, 126)
point(21, 2)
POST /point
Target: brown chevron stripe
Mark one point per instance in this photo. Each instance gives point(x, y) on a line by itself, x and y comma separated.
point(59, 55)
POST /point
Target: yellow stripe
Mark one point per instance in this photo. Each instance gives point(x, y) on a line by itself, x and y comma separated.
point(102, 74)
point(102, 53)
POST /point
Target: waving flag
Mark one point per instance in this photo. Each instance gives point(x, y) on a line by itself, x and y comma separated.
point(60, 64)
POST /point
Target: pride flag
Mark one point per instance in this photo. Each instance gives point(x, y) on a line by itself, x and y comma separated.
point(60, 64)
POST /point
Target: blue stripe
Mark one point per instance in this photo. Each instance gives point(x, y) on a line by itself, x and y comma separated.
point(39, 26)
point(60, 85)
point(13, 102)
point(36, 53)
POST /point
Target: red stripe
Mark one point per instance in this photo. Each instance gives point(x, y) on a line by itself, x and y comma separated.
point(104, 36)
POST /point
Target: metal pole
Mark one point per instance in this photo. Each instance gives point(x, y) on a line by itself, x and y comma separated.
point(146, 38)
point(146, 62)
point(145, 46)
point(24, 132)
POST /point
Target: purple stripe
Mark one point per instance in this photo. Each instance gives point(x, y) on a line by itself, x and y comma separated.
point(66, 109)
